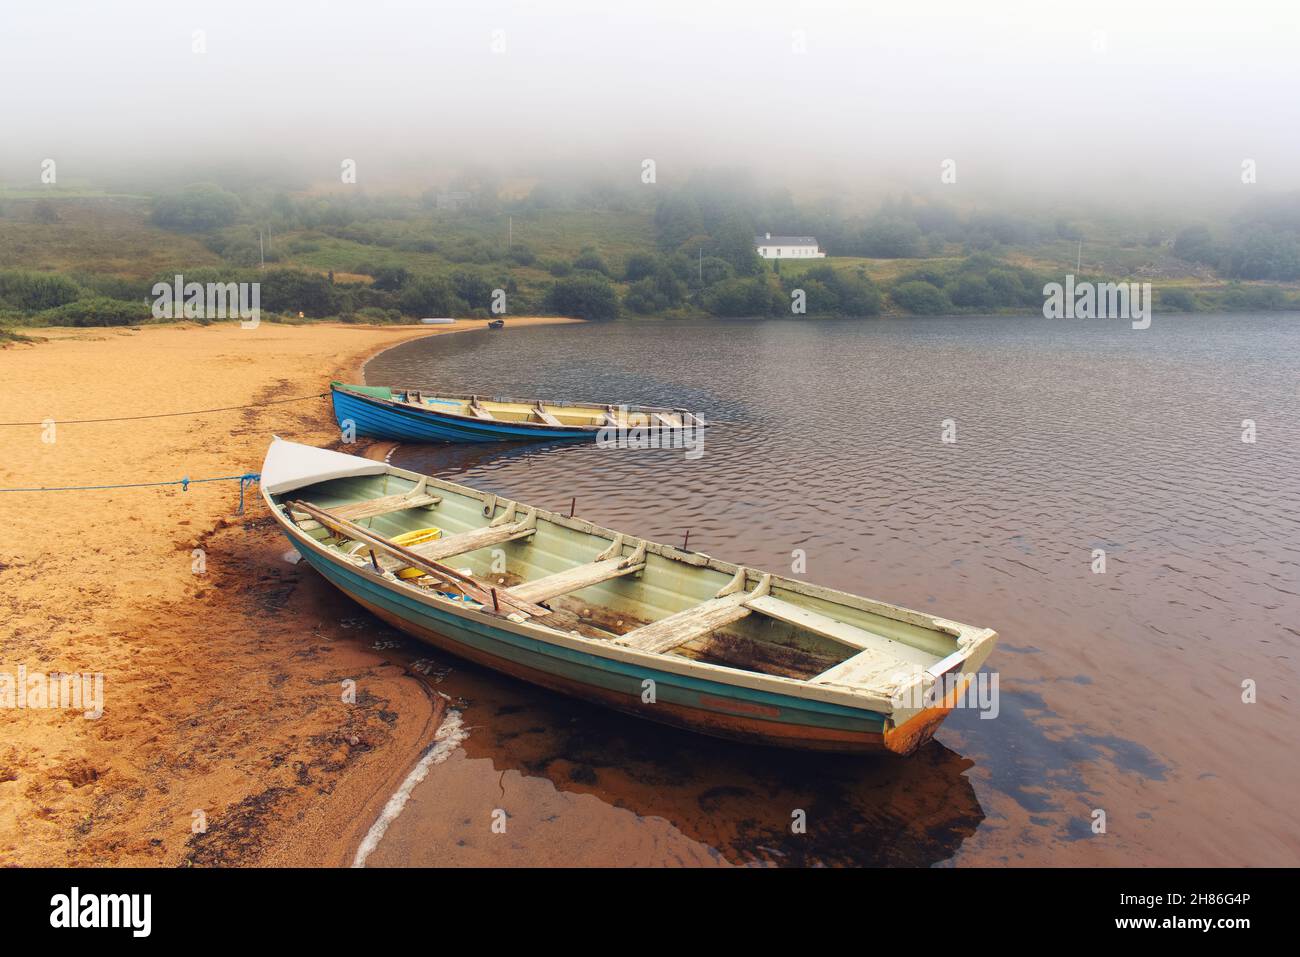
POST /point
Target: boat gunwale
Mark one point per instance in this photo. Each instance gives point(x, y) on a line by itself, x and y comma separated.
point(486, 424)
point(970, 639)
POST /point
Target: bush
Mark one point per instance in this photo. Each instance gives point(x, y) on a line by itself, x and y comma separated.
point(589, 296)
point(473, 288)
point(522, 255)
point(292, 291)
point(1175, 300)
point(1195, 244)
point(919, 297)
point(99, 311)
point(34, 291)
point(389, 278)
point(200, 207)
point(833, 292)
point(972, 292)
point(639, 265)
point(739, 297)
point(1237, 296)
point(430, 296)
point(591, 260)
point(559, 268)
point(657, 292)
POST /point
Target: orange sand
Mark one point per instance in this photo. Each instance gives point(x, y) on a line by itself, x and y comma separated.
point(222, 690)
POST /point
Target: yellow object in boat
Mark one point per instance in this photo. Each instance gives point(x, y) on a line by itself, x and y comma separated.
point(417, 537)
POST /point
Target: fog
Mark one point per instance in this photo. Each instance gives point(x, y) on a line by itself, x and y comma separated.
point(1117, 101)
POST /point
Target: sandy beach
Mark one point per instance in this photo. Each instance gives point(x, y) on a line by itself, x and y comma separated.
point(224, 737)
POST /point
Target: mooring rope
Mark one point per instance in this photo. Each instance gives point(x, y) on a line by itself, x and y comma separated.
point(245, 480)
point(166, 415)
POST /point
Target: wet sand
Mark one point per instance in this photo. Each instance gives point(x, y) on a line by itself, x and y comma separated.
point(223, 687)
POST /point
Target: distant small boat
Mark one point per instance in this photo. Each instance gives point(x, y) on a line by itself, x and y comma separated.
point(673, 636)
point(411, 415)
point(437, 322)
point(497, 324)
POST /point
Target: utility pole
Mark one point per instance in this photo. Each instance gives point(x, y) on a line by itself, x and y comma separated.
point(510, 230)
point(701, 265)
point(261, 250)
point(1078, 261)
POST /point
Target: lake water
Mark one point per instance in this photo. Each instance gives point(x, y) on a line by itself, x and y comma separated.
point(1121, 692)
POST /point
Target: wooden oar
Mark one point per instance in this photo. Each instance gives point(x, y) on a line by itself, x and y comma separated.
point(490, 598)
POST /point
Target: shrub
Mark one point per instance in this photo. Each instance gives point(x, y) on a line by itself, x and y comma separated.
point(1175, 300)
point(430, 296)
point(739, 297)
point(99, 311)
point(920, 297)
point(34, 291)
point(639, 265)
point(972, 292)
point(292, 291)
point(199, 207)
point(589, 296)
point(591, 260)
point(522, 255)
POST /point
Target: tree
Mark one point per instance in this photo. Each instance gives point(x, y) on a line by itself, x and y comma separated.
point(391, 278)
point(472, 287)
point(195, 208)
point(591, 260)
point(292, 290)
point(1195, 244)
point(919, 297)
point(34, 291)
point(429, 296)
point(886, 238)
point(971, 292)
point(584, 296)
point(639, 265)
point(739, 297)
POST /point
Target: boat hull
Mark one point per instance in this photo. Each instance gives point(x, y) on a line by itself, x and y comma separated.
point(707, 707)
point(381, 419)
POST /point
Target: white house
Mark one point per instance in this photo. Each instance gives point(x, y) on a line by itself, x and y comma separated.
point(787, 247)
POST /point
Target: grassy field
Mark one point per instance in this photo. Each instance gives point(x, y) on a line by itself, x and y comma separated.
point(107, 235)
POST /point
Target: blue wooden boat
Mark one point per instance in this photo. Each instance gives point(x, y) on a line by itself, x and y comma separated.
point(673, 636)
point(412, 415)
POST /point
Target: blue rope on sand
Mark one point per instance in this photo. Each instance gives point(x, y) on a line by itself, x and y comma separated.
point(245, 480)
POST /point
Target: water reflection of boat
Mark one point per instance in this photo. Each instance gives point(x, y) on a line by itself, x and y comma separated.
point(738, 800)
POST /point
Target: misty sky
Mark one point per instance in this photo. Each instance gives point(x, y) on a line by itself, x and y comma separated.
point(1058, 97)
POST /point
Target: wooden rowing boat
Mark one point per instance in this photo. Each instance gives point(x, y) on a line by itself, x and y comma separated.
point(413, 415)
point(674, 636)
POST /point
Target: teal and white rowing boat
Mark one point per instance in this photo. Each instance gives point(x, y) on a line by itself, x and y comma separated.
point(674, 636)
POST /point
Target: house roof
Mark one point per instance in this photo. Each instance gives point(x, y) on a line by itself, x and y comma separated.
point(785, 240)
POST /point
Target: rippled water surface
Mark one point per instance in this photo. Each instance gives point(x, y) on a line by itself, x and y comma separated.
point(1121, 691)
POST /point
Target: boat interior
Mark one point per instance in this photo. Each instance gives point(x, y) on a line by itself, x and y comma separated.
point(566, 574)
point(549, 413)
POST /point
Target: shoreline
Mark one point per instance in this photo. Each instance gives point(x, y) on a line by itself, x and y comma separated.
point(224, 739)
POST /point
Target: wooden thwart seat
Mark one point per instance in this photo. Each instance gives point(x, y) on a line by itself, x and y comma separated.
point(545, 416)
point(384, 505)
point(726, 607)
point(608, 564)
point(874, 669)
point(478, 410)
point(503, 529)
point(828, 627)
